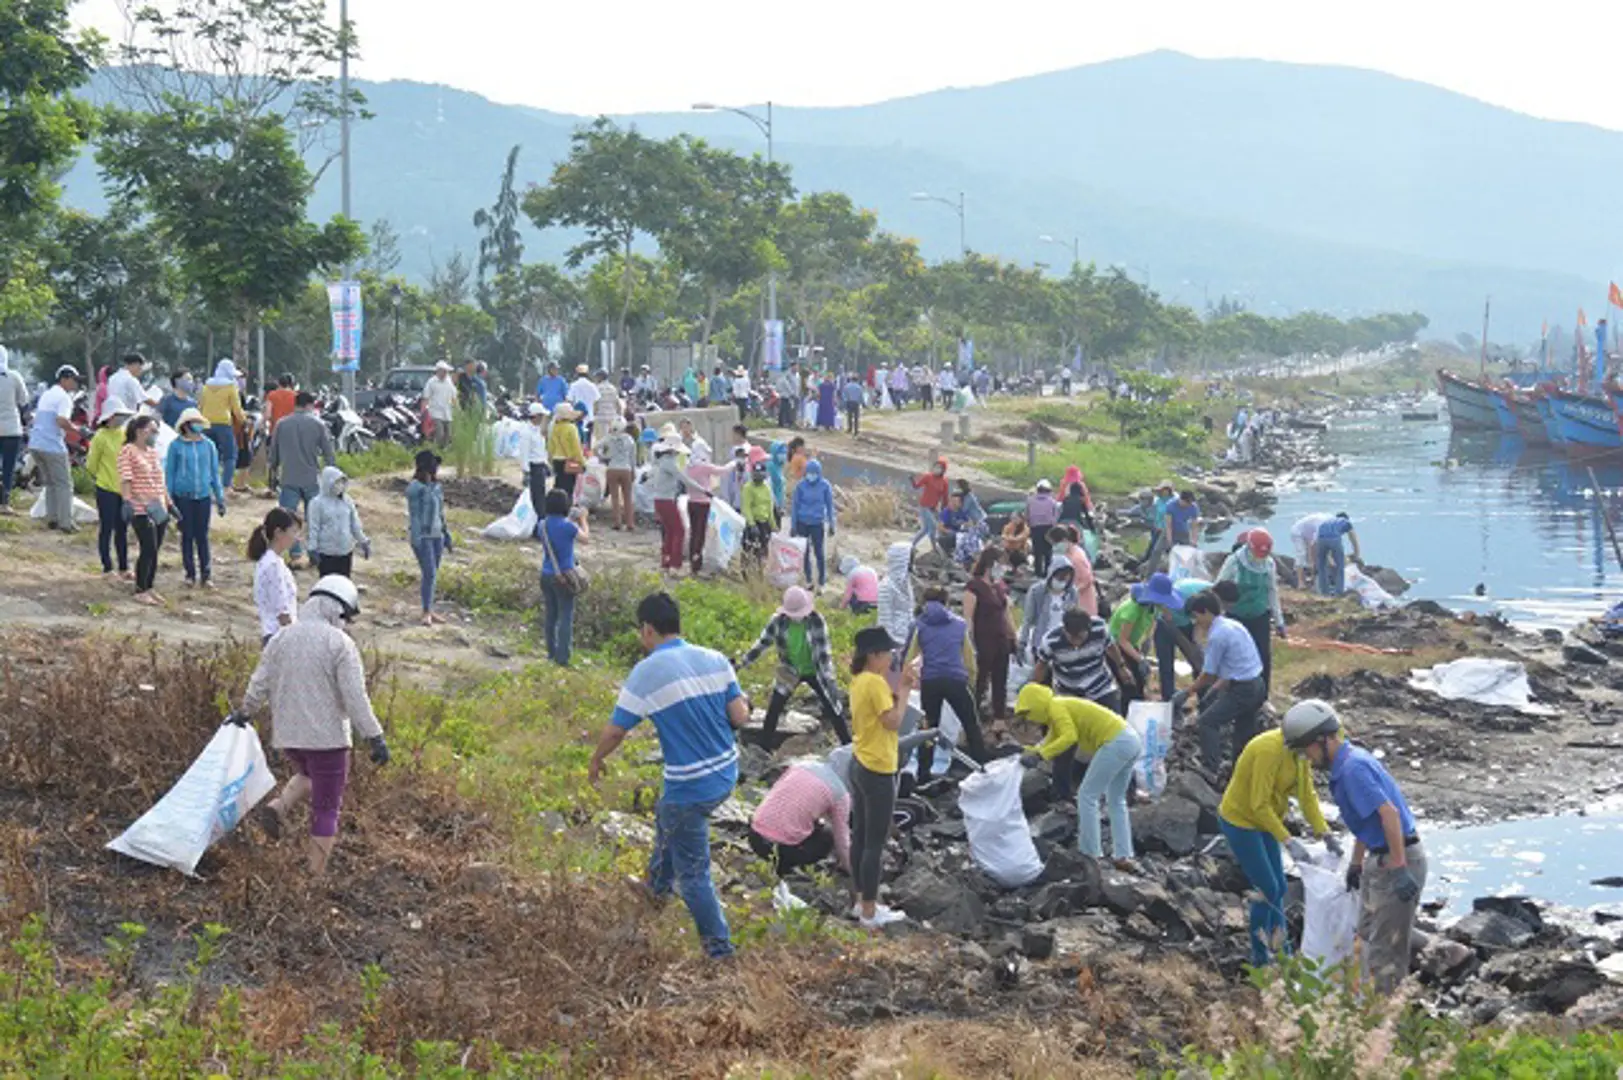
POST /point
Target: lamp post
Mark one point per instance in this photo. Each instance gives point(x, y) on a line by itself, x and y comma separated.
point(1076, 246)
point(764, 123)
point(348, 378)
point(394, 302)
point(957, 207)
point(116, 277)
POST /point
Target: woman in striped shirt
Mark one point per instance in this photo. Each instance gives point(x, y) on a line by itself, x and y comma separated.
point(146, 501)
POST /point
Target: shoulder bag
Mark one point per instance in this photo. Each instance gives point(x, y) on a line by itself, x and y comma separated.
point(574, 580)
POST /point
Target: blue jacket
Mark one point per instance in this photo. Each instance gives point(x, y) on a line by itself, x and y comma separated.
point(192, 470)
point(941, 642)
point(814, 499)
point(551, 390)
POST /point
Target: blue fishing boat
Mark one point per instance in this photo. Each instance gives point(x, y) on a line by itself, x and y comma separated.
point(1504, 408)
point(1470, 404)
point(1546, 414)
point(1529, 424)
point(1585, 421)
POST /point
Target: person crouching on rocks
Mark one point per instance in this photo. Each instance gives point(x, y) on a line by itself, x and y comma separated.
point(801, 638)
point(1230, 687)
point(875, 718)
point(1076, 728)
point(311, 676)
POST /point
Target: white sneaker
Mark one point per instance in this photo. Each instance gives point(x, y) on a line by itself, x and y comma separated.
point(882, 916)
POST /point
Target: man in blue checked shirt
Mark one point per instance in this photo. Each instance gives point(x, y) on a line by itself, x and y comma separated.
point(691, 694)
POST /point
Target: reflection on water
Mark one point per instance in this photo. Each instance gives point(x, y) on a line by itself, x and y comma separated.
point(1453, 512)
point(1555, 859)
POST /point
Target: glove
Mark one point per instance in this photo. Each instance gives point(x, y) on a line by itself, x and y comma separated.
point(366, 549)
point(1405, 888)
point(1355, 876)
point(380, 750)
point(1298, 850)
point(1282, 634)
point(1031, 759)
point(237, 719)
point(1333, 842)
point(220, 507)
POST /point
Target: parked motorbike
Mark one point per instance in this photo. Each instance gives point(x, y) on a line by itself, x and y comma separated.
point(350, 434)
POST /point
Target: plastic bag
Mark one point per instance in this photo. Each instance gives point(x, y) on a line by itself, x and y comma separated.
point(1152, 720)
point(508, 434)
point(809, 412)
point(83, 513)
point(1019, 676)
point(1482, 680)
point(1187, 561)
point(999, 837)
point(592, 485)
point(1330, 916)
point(1368, 591)
point(725, 535)
point(642, 493)
point(226, 781)
point(517, 524)
point(785, 556)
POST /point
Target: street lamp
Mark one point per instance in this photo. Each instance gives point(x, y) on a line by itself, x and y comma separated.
point(957, 207)
point(1127, 269)
point(394, 302)
point(764, 123)
point(1076, 246)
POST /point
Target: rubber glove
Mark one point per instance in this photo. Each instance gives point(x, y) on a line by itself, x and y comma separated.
point(380, 750)
point(1298, 850)
point(1405, 887)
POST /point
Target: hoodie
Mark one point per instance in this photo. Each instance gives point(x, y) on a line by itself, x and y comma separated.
point(220, 402)
point(1043, 608)
point(896, 592)
point(1070, 721)
point(310, 675)
point(942, 637)
point(813, 502)
point(775, 466)
point(333, 523)
point(933, 488)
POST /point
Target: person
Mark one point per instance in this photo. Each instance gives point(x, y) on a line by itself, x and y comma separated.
point(787, 384)
point(742, 389)
point(178, 398)
point(876, 716)
point(1016, 539)
point(896, 605)
point(924, 379)
point(439, 401)
point(1046, 605)
point(1065, 543)
point(335, 532)
point(1077, 507)
point(965, 521)
point(124, 385)
point(311, 677)
point(811, 511)
point(583, 393)
point(1175, 631)
point(800, 635)
point(221, 405)
point(827, 411)
point(799, 457)
point(47, 441)
point(564, 447)
point(1078, 728)
point(1388, 867)
point(1254, 572)
point(1133, 623)
point(619, 454)
point(1042, 514)
point(146, 501)
point(932, 489)
point(805, 817)
point(861, 596)
point(946, 674)
point(986, 609)
point(1230, 687)
point(13, 407)
point(851, 397)
point(192, 470)
point(430, 536)
point(777, 463)
point(531, 451)
point(1077, 659)
point(1267, 772)
point(665, 483)
point(760, 515)
point(102, 465)
point(1305, 539)
point(300, 446)
point(1163, 499)
point(899, 386)
point(699, 477)
point(280, 403)
point(735, 477)
point(560, 530)
point(552, 388)
point(691, 696)
point(1330, 559)
point(1183, 520)
point(606, 408)
point(276, 595)
point(720, 388)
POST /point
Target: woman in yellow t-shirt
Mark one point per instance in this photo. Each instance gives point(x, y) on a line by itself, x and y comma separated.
point(876, 755)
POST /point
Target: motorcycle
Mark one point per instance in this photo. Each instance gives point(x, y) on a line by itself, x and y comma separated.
point(349, 432)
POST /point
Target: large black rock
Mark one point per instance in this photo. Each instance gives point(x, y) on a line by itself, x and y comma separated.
point(948, 905)
point(1491, 930)
point(1519, 908)
point(1170, 826)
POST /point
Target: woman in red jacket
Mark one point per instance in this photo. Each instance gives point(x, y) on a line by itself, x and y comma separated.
point(932, 488)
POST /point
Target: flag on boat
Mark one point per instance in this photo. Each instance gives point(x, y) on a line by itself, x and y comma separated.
point(1615, 296)
point(1582, 319)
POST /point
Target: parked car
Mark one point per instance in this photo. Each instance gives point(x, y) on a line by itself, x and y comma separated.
point(405, 383)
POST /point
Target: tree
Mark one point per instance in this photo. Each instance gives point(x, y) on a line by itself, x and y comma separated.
point(382, 249)
point(501, 254)
point(823, 237)
point(42, 127)
point(104, 269)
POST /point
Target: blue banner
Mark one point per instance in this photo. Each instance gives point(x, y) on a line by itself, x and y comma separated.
point(773, 347)
point(348, 320)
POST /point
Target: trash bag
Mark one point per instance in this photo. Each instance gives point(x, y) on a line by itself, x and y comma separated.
point(1019, 676)
point(593, 485)
point(1152, 720)
point(999, 837)
point(517, 524)
point(642, 493)
point(83, 513)
point(508, 434)
point(1187, 561)
point(1368, 591)
point(1330, 914)
point(1484, 681)
point(725, 535)
point(226, 781)
point(785, 556)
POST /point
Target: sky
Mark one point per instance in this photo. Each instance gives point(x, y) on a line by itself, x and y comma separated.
point(617, 56)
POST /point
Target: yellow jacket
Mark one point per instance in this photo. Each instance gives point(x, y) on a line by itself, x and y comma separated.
point(102, 463)
point(220, 404)
point(758, 504)
point(1070, 721)
point(563, 442)
point(1265, 778)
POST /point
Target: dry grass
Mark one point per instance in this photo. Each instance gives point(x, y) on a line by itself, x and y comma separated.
point(873, 508)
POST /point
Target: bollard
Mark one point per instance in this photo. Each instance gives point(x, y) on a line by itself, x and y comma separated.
point(946, 433)
point(963, 426)
point(1031, 453)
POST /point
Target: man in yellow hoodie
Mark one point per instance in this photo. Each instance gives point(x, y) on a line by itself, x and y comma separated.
point(1079, 727)
point(1252, 817)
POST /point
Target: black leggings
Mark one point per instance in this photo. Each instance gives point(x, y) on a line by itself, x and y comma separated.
point(1261, 629)
point(537, 478)
point(113, 532)
point(1041, 551)
point(150, 537)
point(954, 692)
point(873, 801)
point(343, 565)
point(786, 857)
point(775, 705)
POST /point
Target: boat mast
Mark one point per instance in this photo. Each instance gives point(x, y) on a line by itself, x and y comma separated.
point(1482, 371)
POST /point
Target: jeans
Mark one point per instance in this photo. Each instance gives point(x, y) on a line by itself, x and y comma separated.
point(1385, 922)
point(670, 524)
point(1108, 776)
point(929, 526)
point(1166, 640)
point(992, 669)
point(680, 862)
point(779, 699)
point(193, 515)
point(1331, 568)
point(853, 419)
point(429, 551)
point(1261, 629)
point(1258, 854)
point(11, 447)
point(112, 532)
point(536, 476)
point(814, 545)
point(563, 480)
point(1042, 549)
point(1237, 705)
point(559, 619)
point(224, 437)
point(296, 499)
point(786, 412)
point(58, 479)
point(150, 539)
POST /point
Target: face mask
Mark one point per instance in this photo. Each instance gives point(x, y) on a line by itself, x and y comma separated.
point(1056, 587)
point(186, 385)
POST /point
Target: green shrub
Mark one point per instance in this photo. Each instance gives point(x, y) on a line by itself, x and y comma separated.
point(504, 583)
point(472, 450)
point(384, 457)
point(1112, 468)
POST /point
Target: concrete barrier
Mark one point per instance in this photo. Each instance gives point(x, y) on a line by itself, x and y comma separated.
point(713, 424)
point(844, 469)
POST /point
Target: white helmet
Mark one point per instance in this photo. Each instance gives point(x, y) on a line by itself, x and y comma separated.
point(1309, 720)
point(340, 588)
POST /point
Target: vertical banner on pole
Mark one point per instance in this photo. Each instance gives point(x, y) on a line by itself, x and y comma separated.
point(773, 345)
point(344, 298)
point(966, 352)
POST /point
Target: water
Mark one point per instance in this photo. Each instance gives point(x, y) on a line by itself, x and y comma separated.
point(1450, 513)
point(1554, 858)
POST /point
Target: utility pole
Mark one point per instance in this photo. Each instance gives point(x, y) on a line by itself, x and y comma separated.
point(348, 380)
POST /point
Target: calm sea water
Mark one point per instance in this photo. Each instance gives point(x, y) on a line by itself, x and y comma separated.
point(1555, 858)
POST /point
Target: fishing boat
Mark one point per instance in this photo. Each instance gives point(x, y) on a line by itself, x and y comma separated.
point(1470, 404)
point(1546, 413)
point(1585, 421)
point(1529, 423)
point(1504, 407)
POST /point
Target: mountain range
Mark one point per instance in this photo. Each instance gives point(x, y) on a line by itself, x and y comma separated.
point(1285, 186)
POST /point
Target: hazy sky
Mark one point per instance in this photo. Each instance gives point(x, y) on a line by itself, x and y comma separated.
point(630, 55)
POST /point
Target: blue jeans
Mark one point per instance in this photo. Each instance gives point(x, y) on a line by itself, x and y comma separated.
point(1258, 854)
point(1331, 568)
point(1108, 775)
point(559, 618)
point(680, 862)
point(814, 545)
point(224, 438)
point(194, 536)
point(11, 447)
point(296, 499)
point(429, 552)
point(929, 525)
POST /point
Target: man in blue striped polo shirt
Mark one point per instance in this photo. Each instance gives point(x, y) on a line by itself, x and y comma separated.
point(691, 694)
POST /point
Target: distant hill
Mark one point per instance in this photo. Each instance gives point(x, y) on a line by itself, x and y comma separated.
point(1287, 185)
